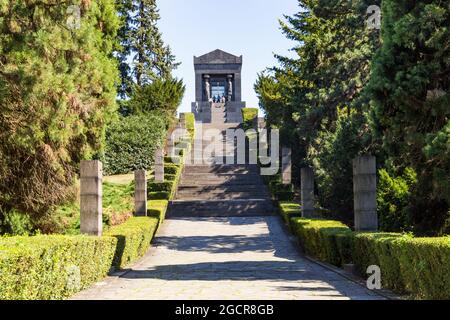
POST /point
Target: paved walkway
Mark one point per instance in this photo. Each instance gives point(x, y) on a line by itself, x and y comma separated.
point(226, 258)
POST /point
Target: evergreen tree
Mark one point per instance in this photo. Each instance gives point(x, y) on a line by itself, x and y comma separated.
point(307, 94)
point(410, 89)
point(57, 93)
point(144, 56)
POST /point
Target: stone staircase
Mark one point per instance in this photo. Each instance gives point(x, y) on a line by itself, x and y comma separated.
point(214, 189)
point(218, 113)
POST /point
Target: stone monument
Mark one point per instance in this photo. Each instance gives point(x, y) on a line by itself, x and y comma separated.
point(218, 78)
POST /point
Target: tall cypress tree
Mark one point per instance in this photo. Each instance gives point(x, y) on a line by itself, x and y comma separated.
point(144, 57)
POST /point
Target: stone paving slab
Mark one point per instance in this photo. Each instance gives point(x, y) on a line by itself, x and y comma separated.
point(230, 258)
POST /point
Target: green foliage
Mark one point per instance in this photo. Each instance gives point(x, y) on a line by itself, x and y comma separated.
point(409, 265)
point(324, 239)
point(133, 239)
point(280, 191)
point(190, 122)
point(143, 55)
point(333, 164)
point(57, 94)
point(43, 267)
point(131, 143)
point(316, 98)
point(289, 210)
point(393, 198)
point(249, 115)
point(162, 95)
point(158, 209)
point(56, 267)
point(409, 92)
point(16, 223)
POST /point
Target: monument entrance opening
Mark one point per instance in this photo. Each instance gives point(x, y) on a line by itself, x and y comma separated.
point(218, 88)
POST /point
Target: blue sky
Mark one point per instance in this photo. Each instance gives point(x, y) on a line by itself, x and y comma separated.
point(240, 27)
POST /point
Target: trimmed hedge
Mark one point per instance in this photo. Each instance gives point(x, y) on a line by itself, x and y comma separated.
point(248, 116)
point(289, 210)
point(133, 239)
point(415, 266)
point(41, 267)
point(320, 238)
point(56, 267)
point(131, 143)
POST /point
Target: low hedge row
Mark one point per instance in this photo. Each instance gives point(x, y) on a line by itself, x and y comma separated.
point(289, 210)
point(173, 168)
point(279, 191)
point(56, 267)
point(415, 266)
point(248, 116)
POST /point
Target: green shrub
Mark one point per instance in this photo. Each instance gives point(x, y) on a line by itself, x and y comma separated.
point(57, 95)
point(248, 116)
point(190, 122)
point(280, 191)
point(172, 160)
point(319, 239)
point(171, 169)
point(166, 186)
point(414, 266)
point(160, 195)
point(158, 209)
point(289, 210)
point(47, 267)
point(133, 239)
point(131, 143)
point(40, 267)
point(161, 95)
point(393, 198)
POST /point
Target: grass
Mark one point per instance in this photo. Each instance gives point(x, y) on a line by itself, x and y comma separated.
point(118, 205)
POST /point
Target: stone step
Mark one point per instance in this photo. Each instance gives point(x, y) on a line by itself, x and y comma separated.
point(220, 208)
point(244, 182)
point(222, 169)
point(240, 191)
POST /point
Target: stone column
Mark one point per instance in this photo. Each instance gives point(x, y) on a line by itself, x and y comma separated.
point(140, 193)
point(159, 165)
point(286, 165)
point(91, 192)
point(183, 121)
point(307, 193)
point(365, 193)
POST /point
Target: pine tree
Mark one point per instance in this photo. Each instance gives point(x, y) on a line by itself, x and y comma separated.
point(308, 93)
point(410, 92)
point(144, 56)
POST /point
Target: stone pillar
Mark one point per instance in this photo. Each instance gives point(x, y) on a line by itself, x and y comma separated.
point(140, 193)
point(183, 121)
point(159, 165)
point(286, 165)
point(307, 193)
point(365, 193)
point(91, 192)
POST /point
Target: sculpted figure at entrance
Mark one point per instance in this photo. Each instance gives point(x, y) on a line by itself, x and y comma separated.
point(207, 89)
point(230, 88)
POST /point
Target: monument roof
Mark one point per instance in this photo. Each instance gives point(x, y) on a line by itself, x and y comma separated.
point(218, 57)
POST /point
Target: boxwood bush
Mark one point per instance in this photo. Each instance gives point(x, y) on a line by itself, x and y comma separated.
point(248, 116)
point(56, 267)
point(131, 143)
point(418, 267)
